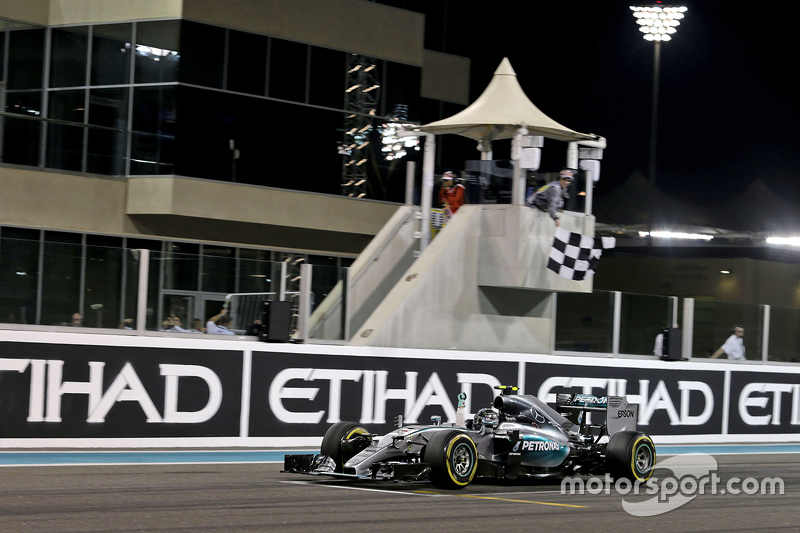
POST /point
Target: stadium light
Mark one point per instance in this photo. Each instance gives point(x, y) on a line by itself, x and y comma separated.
point(676, 235)
point(785, 241)
point(658, 23)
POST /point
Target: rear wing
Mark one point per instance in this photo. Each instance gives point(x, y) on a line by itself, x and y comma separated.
point(620, 415)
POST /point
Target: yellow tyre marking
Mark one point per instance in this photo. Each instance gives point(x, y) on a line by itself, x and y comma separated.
point(449, 469)
point(633, 458)
point(355, 431)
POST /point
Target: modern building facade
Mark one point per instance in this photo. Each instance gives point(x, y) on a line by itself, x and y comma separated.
point(212, 133)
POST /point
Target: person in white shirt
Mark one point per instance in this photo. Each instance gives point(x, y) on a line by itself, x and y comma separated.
point(218, 324)
point(733, 346)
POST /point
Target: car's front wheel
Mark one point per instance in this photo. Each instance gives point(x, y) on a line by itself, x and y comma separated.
point(630, 455)
point(336, 440)
point(453, 459)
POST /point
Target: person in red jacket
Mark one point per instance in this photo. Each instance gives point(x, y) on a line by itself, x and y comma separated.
point(451, 195)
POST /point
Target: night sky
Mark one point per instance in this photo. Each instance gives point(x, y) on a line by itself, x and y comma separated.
point(728, 110)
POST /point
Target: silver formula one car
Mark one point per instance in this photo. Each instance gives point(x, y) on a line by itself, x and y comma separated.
point(518, 436)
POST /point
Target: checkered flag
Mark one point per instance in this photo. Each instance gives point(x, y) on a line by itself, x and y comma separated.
point(575, 256)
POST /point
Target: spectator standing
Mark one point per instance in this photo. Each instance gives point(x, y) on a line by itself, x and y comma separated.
point(733, 346)
point(550, 198)
point(451, 195)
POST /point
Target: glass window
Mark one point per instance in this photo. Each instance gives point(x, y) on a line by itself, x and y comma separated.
point(287, 70)
point(181, 265)
point(203, 54)
point(324, 277)
point(103, 286)
point(67, 105)
point(208, 122)
point(111, 54)
point(68, 50)
point(327, 77)
point(154, 109)
point(642, 317)
point(65, 147)
point(21, 141)
point(154, 112)
point(219, 269)
point(152, 154)
point(584, 322)
point(19, 275)
point(25, 58)
point(24, 103)
point(247, 62)
point(401, 91)
point(255, 270)
point(157, 51)
point(107, 147)
point(61, 277)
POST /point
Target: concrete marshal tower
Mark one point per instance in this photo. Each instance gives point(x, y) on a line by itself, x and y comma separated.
point(482, 283)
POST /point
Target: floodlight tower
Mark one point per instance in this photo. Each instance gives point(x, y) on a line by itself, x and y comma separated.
point(658, 23)
point(361, 96)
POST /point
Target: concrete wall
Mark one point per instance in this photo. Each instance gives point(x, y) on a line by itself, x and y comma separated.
point(482, 284)
point(351, 25)
point(71, 202)
point(31, 11)
point(188, 208)
point(89, 11)
point(371, 276)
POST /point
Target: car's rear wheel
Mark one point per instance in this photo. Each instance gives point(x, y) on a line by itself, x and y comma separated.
point(453, 459)
point(630, 455)
point(336, 435)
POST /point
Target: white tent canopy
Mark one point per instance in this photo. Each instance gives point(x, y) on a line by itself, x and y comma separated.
point(500, 111)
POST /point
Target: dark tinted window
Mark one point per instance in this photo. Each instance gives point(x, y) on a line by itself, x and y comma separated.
point(157, 51)
point(103, 286)
point(402, 88)
point(67, 105)
point(21, 141)
point(24, 102)
point(25, 59)
point(19, 273)
point(202, 54)
point(61, 278)
point(111, 54)
point(247, 62)
point(181, 265)
point(327, 77)
point(64, 147)
point(68, 49)
point(287, 70)
point(154, 109)
point(219, 269)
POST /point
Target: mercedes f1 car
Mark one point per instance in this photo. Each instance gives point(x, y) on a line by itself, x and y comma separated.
point(517, 436)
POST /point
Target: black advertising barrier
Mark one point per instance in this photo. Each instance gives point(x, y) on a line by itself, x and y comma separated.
point(671, 401)
point(764, 402)
point(88, 391)
point(59, 386)
point(303, 394)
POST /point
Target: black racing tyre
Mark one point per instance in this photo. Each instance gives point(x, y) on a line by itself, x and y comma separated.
point(332, 441)
point(630, 455)
point(453, 459)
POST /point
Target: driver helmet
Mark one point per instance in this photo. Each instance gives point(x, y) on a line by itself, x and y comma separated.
point(449, 175)
point(486, 417)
